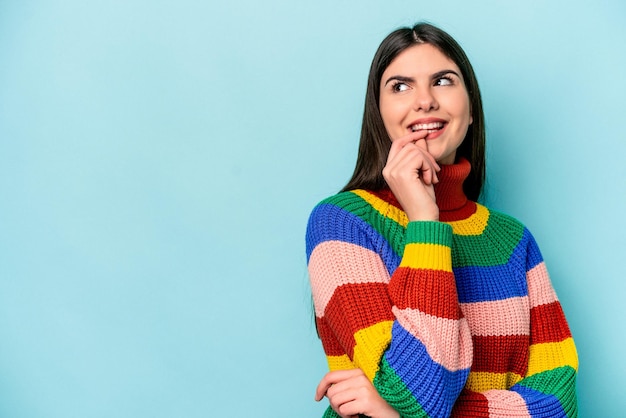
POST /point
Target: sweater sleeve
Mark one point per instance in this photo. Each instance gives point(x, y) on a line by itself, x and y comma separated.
point(548, 388)
point(405, 330)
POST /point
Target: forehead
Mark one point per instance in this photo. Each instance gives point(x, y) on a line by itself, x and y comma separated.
point(420, 59)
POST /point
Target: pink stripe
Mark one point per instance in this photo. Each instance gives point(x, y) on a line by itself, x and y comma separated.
point(335, 263)
point(506, 404)
point(448, 341)
point(498, 317)
point(540, 289)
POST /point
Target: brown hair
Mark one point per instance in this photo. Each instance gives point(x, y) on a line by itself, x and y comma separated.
point(375, 142)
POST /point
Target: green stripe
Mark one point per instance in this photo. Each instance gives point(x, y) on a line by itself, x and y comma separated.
point(429, 232)
point(395, 392)
point(556, 382)
point(330, 413)
point(384, 226)
point(491, 248)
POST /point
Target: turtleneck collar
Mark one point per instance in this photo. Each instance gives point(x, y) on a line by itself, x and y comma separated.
point(449, 190)
point(452, 202)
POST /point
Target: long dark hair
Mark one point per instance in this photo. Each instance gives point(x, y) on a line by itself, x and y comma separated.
point(375, 142)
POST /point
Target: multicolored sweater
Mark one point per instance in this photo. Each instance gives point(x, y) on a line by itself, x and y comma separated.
point(450, 318)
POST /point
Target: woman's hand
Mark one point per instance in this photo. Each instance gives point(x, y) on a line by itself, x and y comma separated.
point(350, 393)
point(410, 173)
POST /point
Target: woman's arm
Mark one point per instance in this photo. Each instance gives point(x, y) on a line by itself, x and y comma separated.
point(404, 330)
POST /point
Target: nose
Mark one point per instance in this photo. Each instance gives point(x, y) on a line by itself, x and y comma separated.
point(424, 99)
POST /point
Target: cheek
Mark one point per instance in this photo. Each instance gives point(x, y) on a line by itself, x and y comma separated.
point(467, 110)
point(462, 110)
point(459, 105)
point(392, 114)
point(388, 115)
point(385, 111)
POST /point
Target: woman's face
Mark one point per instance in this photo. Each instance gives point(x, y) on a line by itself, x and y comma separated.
point(422, 89)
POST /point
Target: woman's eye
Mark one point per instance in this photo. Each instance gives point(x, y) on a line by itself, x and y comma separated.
point(400, 87)
point(444, 81)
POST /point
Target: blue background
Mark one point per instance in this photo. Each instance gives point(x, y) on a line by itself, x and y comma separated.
point(159, 159)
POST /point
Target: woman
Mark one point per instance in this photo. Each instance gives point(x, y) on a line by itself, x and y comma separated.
point(427, 303)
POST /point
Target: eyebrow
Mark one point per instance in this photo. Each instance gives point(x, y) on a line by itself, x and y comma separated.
point(436, 75)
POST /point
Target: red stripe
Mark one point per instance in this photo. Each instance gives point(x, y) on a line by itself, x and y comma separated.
point(467, 209)
point(329, 342)
point(471, 404)
point(455, 215)
point(432, 292)
point(354, 307)
point(548, 324)
point(501, 354)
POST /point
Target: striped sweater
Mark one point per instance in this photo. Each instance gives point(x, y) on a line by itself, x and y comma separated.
point(450, 318)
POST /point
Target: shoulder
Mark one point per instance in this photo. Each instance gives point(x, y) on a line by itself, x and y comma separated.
point(505, 231)
point(341, 217)
point(504, 225)
point(484, 223)
point(346, 203)
point(348, 200)
point(501, 219)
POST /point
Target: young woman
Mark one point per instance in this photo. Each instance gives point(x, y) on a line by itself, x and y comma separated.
point(427, 303)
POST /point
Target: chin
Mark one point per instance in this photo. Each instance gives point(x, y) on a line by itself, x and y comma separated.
point(446, 160)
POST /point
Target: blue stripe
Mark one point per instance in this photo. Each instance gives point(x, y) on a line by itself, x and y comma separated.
point(481, 284)
point(533, 254)
point(499, 282)
point(540, 404)
point(332, 223)
point(329, 222)
point(433, 386)
point(488, 283)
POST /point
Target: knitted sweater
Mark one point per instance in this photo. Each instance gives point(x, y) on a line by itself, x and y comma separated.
point(450, 318)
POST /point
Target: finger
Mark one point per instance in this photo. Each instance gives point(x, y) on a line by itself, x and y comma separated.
point(429, 175)
point(406, 145)
point(345, 400)
point(343, 396)
point(422, 164)
point(350, 406)
point(430, 167)
point(408, 151)
point(321, 390)
point(398, 144)
point(409, 165)
point(332, 378)
point(423, 145)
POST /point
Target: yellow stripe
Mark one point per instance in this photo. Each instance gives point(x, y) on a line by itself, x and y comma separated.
point(383, 207)
point(339, 363)
point(548, 356)
point(427, 256)
point(484, 381)
point(474, 225)
point(371, 342)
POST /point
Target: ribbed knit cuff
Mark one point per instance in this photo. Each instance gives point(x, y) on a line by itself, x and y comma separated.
point(428, 232)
